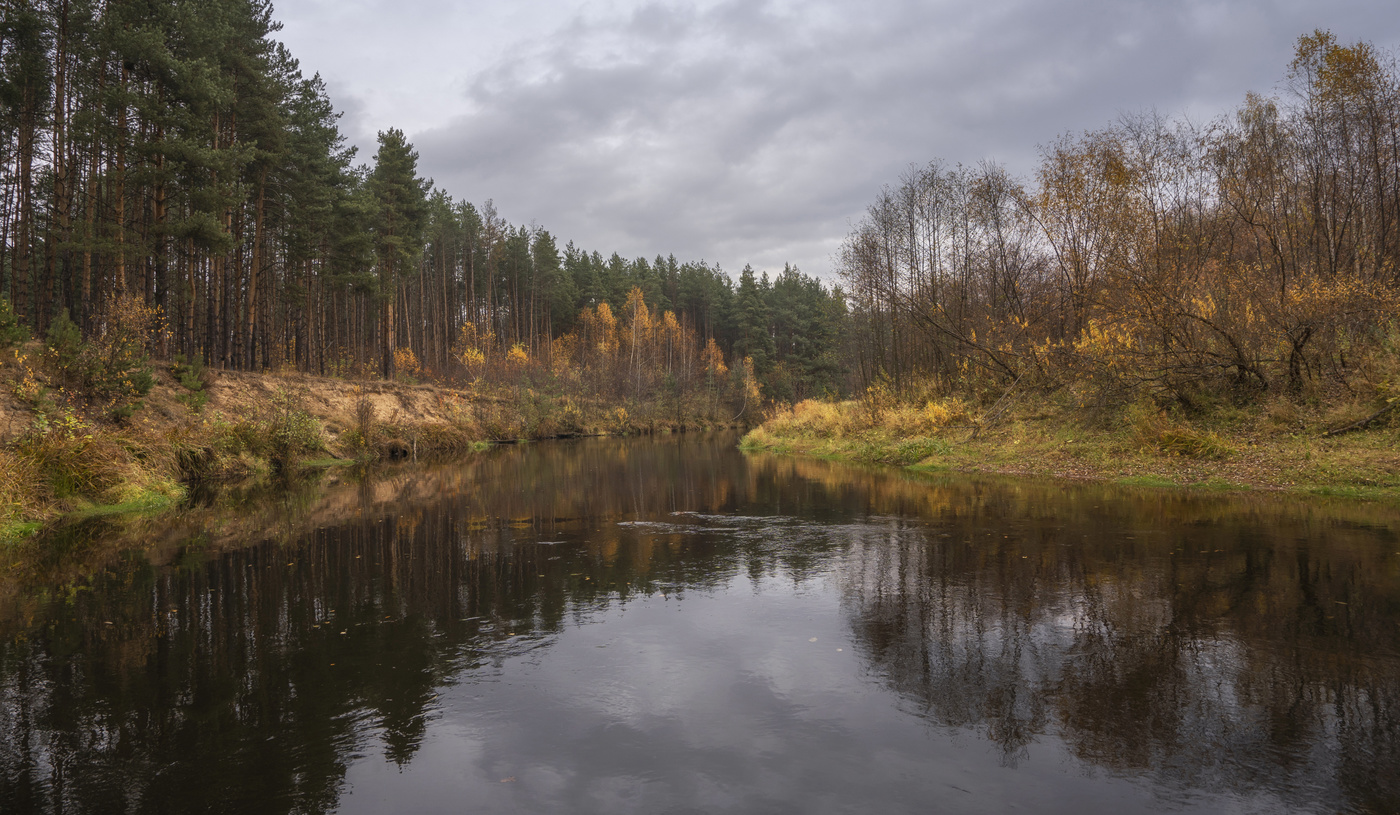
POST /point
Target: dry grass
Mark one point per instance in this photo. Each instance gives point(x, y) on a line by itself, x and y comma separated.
point(254, 424)
point(1156, 432)
point(49, 474)
point(20, 489)
point(839, 420)
point(874, 429)
point(1275, 445)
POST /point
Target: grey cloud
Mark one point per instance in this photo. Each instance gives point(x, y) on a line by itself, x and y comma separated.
point(354, 118)
point(755, 132)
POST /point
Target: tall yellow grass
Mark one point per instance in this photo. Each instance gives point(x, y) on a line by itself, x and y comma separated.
point(838, 420)
point(43, 475)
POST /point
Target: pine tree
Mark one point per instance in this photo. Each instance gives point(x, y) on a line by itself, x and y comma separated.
point(753, 322)
point(400, 200)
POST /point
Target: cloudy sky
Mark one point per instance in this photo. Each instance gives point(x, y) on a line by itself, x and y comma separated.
point(744, 131)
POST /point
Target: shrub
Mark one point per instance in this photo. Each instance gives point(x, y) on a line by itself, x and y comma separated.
point(619, 422)
point(1282, 413)
point(875, 401)
point(1184, 441)
point(64, 344)
point(499, 420)
point(945, 412)
point(569, 417)
point(406, 365)
point(194, 378)
point(27, 386)
point(280, 433)
point(291, 431)
point(361, 436)
point(111, 371)
point(11, 331)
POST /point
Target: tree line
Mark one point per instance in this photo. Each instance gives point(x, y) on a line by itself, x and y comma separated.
point(1257, 252)
point(173, 159)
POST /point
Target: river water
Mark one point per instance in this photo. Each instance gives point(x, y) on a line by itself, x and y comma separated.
point(670, 625)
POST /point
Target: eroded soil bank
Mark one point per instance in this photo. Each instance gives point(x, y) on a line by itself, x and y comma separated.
point(55, 462)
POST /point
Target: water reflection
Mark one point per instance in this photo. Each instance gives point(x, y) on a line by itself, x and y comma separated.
point(1206, 649)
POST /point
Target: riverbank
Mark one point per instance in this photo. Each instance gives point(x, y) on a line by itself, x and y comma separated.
point(55, 462)
point(1275, 447)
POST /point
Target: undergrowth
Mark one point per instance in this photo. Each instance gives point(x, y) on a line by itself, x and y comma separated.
point(1223, 443)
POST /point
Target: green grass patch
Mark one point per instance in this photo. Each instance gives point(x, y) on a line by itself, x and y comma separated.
point(12, 531)
point(910, 451)
point(326, 463)
point(145, 502)
point(1218, 485)
point(1146, 481)
point(1389, 495)
point(933, 467)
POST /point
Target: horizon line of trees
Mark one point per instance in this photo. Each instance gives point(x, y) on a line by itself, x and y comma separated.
point(1259, 252)
point(175, 156)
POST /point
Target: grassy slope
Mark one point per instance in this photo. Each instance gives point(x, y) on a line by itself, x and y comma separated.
point(49, 470)
point(1242, 451)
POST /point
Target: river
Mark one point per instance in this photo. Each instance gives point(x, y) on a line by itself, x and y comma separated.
point(670, 625)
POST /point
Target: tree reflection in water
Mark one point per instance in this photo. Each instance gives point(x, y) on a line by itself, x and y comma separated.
point(1209, 643)
point(1216, 644)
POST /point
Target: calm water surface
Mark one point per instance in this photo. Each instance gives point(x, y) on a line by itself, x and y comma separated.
point(672, 626)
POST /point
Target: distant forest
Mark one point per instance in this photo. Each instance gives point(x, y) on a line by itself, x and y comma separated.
point(172, 160)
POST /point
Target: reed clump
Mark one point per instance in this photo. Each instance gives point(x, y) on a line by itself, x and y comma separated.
point(877, 414)
point(60, 471)
point(1157, 432)
point(875, 428)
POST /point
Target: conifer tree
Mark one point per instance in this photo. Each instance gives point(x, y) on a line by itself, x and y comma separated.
point(400, 201)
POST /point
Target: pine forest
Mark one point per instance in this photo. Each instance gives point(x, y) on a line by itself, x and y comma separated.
point(169, 172)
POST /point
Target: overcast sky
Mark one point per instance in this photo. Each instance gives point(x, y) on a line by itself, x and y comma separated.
point(757, 132)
